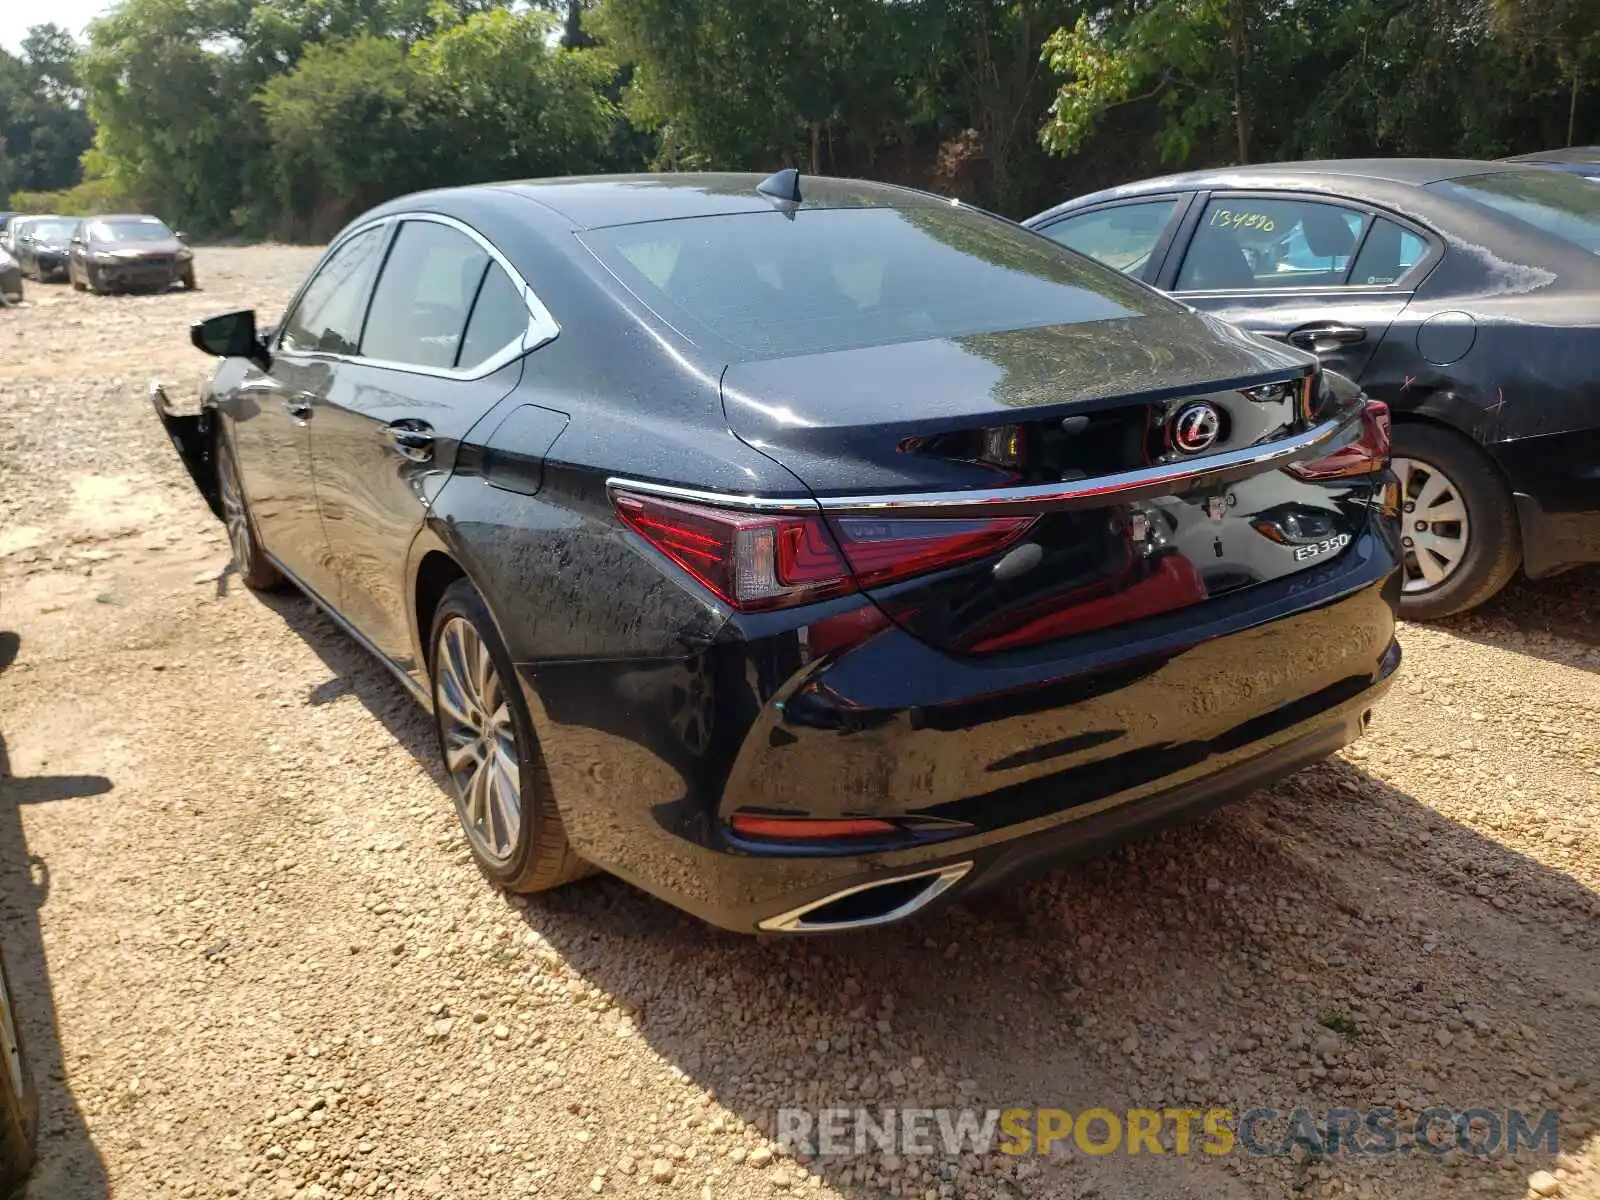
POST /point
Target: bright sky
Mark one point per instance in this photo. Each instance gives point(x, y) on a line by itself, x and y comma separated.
point(73, 15)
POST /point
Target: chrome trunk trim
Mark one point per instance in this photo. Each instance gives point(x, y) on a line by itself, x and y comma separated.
point(1142, 484)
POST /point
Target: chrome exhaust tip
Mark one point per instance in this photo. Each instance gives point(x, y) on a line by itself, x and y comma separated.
point(869, 904)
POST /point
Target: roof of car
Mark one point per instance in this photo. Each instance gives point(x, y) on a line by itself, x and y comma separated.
point(1571, 154)
point(598, 200)
point(1415, 171)
point(1376, 180)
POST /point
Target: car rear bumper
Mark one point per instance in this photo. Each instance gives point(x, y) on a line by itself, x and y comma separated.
point(988, 767)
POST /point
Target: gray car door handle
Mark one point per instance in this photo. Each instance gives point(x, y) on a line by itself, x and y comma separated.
point(1325, 336)
point(410, 439)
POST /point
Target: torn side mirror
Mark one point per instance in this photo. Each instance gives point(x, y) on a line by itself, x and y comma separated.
point(231, 335)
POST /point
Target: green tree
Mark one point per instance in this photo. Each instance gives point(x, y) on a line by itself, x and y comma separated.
point(1566, 32)
point(353, 124)
point(174, 126)
point(43, 128)
point(516, 104)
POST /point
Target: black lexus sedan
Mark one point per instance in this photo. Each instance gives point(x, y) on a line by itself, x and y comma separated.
point(128, 252)
point(42, 245)
point(802, 551)
point(1465, 295)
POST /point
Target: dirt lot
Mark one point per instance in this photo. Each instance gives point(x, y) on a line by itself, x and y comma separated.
point(254, 959)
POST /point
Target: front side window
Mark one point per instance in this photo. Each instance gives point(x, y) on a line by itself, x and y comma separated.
point(328, 317)
point(428, 285)
point(1121, 237)
point(1553, 202)
point(1245, 243)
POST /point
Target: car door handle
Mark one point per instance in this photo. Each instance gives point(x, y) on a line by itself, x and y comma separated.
point(410, 439)
point(1325, 336)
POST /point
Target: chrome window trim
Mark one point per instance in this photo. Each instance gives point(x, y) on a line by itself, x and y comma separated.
point(1144, 483)
point(542, 326)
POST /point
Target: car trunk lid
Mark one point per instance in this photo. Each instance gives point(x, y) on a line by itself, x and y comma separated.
point(1046, 482)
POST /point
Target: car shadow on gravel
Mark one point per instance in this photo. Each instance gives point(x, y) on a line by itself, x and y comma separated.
point(1556, 619)
point(1330, 941)
point(69, 1167)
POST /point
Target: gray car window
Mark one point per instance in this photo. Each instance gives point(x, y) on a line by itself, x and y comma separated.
point(1121, 237)
point(499, 317)
point(419, 310)
point(328, 317)
point(1553, 202)
point(1246, 243)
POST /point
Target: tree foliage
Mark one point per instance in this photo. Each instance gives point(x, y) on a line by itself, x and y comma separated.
point(43, 128)
point(288, 116)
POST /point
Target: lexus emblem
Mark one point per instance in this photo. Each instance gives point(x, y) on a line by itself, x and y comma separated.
point(1196, 428)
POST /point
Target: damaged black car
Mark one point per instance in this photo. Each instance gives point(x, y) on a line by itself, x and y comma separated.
point(806, 553)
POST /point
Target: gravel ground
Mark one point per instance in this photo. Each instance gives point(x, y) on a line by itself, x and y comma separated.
point(254, 959)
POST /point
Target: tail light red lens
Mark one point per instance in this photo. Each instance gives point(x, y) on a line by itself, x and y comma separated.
point(1366, 454)
point(807, 828)
point(757, 561)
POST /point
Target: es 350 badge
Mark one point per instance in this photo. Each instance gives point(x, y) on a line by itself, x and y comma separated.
point(1317, 549)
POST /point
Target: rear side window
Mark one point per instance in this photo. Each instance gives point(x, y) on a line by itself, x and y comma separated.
point(832, 279)
point(1387, 254)
point(419, 310)
point(499, 317)
point(1121, 237)
point(1553, 202)
point(328, 317)
point(1245, 243)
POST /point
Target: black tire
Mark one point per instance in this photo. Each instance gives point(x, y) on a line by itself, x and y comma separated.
point(249, 559)
point(93, 282)
point(1494, 544)
point(539, 857)
point(72, 278)
point(189, 285)
point(19, 1098)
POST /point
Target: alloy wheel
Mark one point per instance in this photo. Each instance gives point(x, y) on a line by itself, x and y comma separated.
point(1435, 528)
point(480, 742)
point(234, 515)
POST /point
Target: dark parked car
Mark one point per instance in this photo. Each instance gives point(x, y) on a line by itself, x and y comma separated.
point(10, 279)
point(1465, 295)
point(803, 561)
point(1577, 160)
point(42, 246)
point(121, 253)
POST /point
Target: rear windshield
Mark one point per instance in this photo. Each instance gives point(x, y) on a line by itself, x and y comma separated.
point(1554, 202)
point(833, 279)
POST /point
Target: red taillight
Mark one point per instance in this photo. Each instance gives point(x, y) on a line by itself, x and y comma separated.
point(804, 828)
point(1365, 455)
point(882, 551)
point(758, 561)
